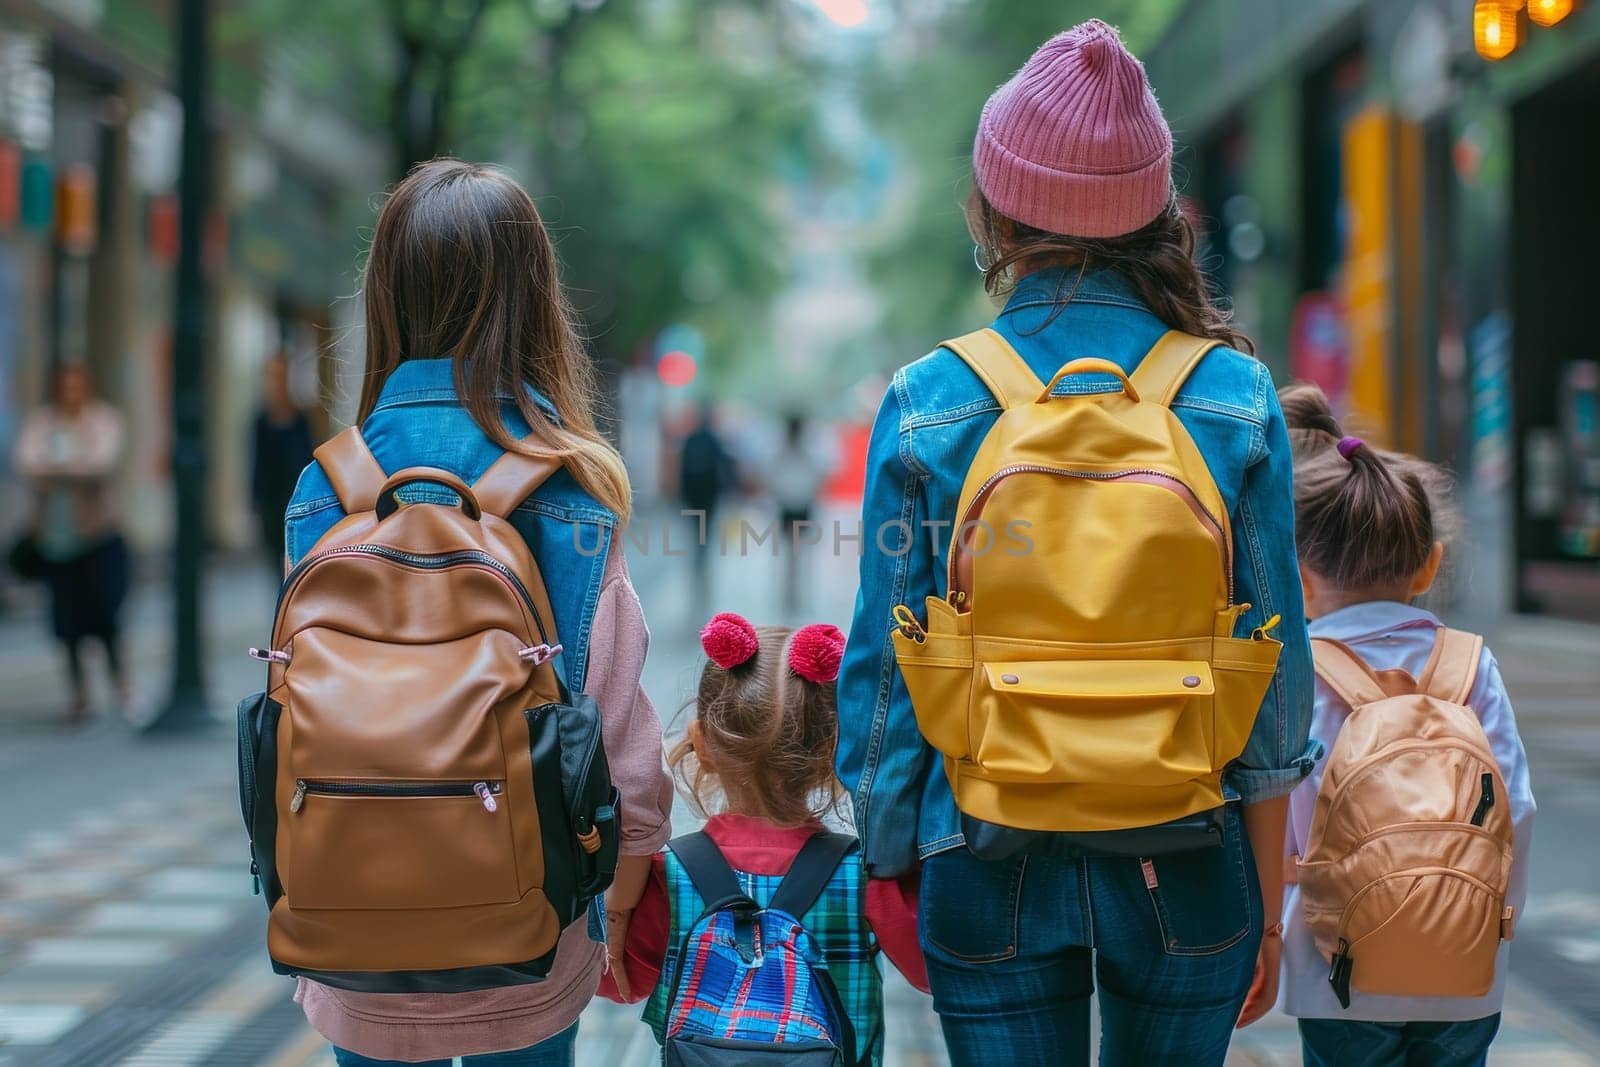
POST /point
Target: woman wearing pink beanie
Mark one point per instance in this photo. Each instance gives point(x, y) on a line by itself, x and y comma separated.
point(1077, 223)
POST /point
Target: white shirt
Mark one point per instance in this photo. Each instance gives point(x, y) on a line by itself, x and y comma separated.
point(1389, 635)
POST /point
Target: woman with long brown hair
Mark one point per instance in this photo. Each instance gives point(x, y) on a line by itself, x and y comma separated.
point(1078, 225)
point(471, 352)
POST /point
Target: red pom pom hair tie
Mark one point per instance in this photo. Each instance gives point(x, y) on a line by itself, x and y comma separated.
point(815, 651)
point(729, 640)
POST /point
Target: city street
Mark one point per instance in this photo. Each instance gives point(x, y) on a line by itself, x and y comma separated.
point(128, 934)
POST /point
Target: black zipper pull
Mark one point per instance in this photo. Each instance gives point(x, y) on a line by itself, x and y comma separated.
point(255, 879)
point(1339, 973)
point(1485, 800)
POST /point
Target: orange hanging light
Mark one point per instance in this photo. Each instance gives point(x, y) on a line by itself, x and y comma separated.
point(1495, 33)
point(1549, 12)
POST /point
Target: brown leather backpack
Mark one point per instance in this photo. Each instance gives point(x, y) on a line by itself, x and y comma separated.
point(1403, 882)
point(428, 806)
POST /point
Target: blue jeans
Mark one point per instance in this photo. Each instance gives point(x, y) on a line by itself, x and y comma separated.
point(1347, 1043)
point(1014, 948)
point(558, 1051)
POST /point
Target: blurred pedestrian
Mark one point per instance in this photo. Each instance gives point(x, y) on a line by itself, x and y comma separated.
point(706, 471)
point(280, 450)
point(1076, 221)
point(794, 479)
point(70, 451)
point(471, 353)
point(1374, 977)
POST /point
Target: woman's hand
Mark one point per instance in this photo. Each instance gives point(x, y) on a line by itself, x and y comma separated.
point(1264, 987)
point(616, 949)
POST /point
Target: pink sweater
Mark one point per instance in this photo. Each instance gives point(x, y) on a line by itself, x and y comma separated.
point(397, 1026)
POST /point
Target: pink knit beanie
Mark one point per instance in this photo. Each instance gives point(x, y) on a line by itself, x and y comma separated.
point(1075, 142)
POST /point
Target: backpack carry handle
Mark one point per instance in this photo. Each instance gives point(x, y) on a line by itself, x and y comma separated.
point(387, 503)
point(1090, 366)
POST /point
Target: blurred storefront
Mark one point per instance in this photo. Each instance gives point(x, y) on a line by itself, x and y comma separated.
point(89, 138)
point(1412, 226)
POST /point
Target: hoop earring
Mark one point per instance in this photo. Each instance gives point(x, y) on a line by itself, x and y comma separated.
point(979, 254)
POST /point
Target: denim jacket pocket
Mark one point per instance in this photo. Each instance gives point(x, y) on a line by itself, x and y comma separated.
point(971, 908)
point(1204, 899)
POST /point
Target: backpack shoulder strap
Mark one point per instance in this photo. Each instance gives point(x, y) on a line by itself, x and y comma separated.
point(354, 474)
point(511, 479)
point(1452, 668)
point(1164, 369)
point(995, 362)
point(708, 869)
point(810, 873)
point(1346, 673)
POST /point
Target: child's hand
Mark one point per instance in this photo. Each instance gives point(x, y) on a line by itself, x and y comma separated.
point(1264, 988)
point(616, 949)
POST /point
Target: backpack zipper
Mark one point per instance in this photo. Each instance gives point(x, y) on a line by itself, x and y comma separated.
point(1455, 825)
point(1379, 758)
point(1485, 799)
point(485, 791)
point(1143, 475)
point(1409, 872)
point(421, 561)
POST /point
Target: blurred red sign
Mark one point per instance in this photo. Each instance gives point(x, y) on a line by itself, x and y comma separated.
point(1319, 345)
point(162, 225)
point(10, 185)
point(848, 480)
point(75, 209)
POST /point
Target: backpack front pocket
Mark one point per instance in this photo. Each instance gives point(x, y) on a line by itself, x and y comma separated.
point(375, 845)
point(1143, 722)
point(1428, 931)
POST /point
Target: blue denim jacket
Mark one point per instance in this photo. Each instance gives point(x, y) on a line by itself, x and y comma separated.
point(933, 418)
point(419, 422)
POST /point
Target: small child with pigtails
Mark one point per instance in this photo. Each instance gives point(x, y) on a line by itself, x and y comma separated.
point(1408, 843)
point(760, 932)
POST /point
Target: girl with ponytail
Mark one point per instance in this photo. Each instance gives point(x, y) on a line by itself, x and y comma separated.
point(758, 759)
point(1371, 528)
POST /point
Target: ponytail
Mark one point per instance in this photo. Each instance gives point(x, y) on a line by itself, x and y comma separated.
point(1365, 518)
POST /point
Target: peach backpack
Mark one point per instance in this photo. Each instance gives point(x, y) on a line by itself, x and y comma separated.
point(1403, 882)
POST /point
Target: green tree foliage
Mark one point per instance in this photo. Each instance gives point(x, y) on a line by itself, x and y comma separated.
point(650, 131)
point(926, 101)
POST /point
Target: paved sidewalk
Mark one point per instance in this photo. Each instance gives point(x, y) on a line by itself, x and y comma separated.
point(128, 934)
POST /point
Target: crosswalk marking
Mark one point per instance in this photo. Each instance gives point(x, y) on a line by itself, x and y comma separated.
point(97, 951)
point(189, 1039)
point(37, 1024)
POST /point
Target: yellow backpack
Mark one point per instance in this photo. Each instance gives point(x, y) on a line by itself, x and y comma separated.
point(1082, 673)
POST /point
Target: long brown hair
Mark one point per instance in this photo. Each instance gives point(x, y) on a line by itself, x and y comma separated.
point(461, 266)
point(767, 734)
point(1363, 521)
point(1157, 260)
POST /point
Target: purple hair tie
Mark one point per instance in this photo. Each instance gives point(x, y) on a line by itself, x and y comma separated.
point(1348, 446)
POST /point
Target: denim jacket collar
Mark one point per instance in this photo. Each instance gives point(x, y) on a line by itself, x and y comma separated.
point(432, 381)
point(1046, 287)
point(1374, 618)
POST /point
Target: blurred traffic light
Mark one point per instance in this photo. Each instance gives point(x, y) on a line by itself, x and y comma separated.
point(1549, 12)
point(1495, 32)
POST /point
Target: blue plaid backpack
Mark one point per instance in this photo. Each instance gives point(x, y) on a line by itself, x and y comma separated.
point(751, 986)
